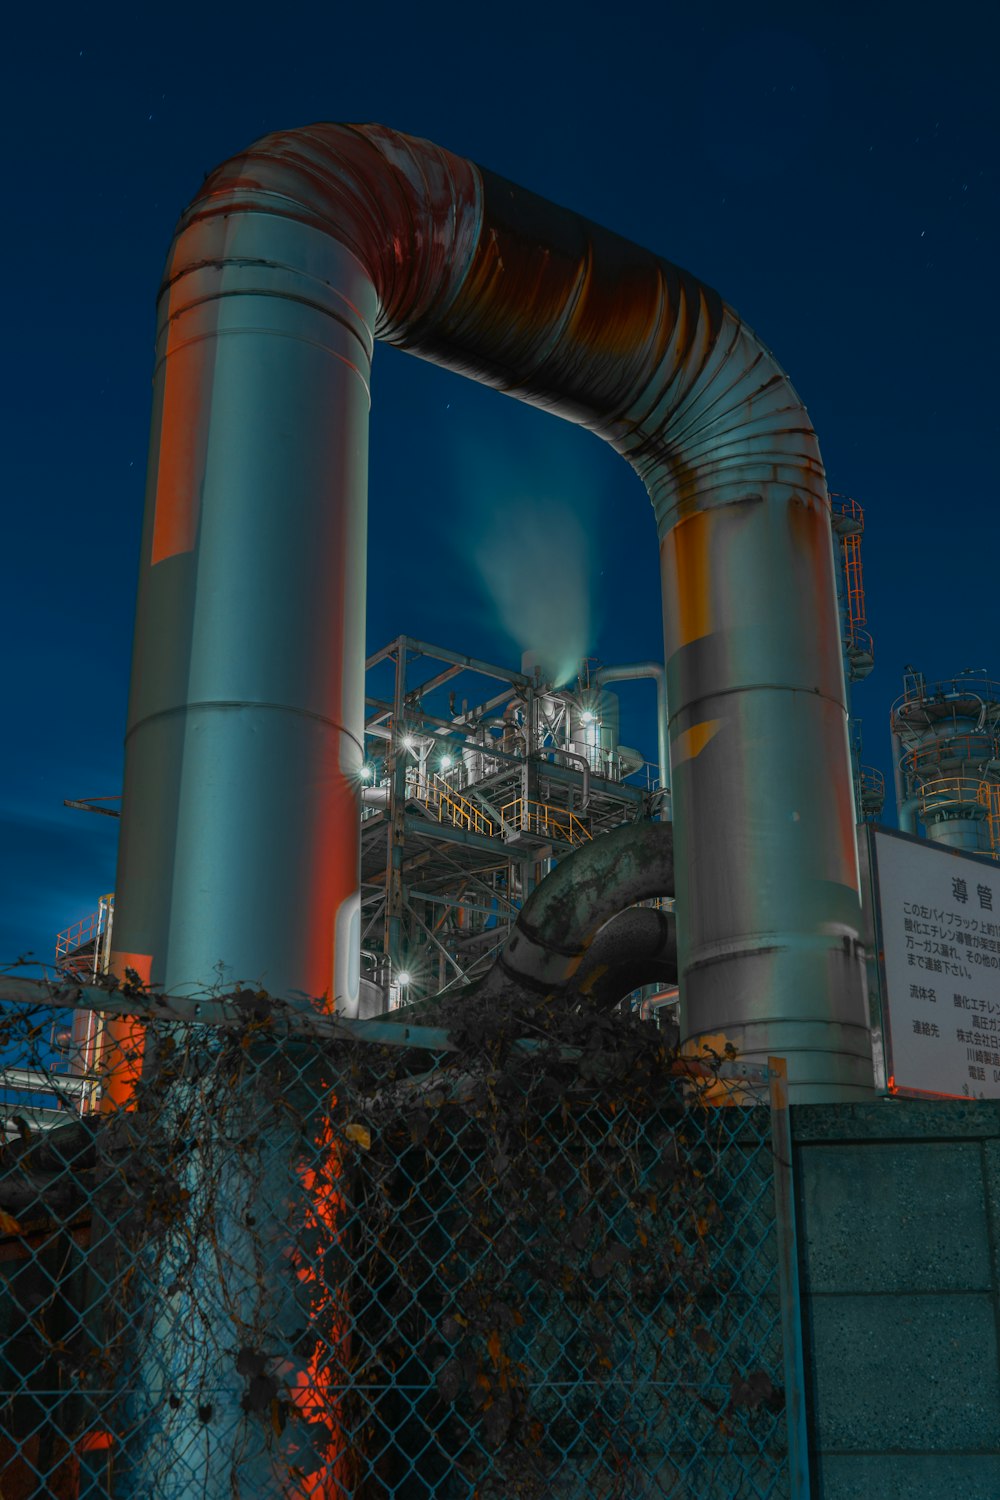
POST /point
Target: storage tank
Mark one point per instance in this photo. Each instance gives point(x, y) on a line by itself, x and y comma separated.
point(946, 741)
point(594, 718)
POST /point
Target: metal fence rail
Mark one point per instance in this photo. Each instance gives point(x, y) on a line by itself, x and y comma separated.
point(312, 1267)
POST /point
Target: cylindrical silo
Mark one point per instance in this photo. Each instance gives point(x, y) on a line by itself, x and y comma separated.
point(948, 739)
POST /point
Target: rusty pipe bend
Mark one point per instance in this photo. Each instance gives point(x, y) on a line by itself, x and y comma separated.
point(547, 948)
point(494, 282)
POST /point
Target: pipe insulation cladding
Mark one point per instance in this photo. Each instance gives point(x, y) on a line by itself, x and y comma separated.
point(239, 832)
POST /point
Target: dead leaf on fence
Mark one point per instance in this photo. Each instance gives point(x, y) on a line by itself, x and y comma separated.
point(8, 1225)
point(360, 1135)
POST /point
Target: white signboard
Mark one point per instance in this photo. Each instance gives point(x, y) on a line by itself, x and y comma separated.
point(940, 936)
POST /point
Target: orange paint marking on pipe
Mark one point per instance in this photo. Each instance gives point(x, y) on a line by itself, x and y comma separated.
point(123, 1041)
point(94, 1442)
point(687, 582)
point(699, 1060)
point(693, 741)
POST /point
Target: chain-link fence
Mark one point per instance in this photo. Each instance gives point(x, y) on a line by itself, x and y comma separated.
point(521, 1258)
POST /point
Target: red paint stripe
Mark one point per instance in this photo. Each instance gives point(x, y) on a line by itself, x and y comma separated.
point(123, 1039)
point(183, 444)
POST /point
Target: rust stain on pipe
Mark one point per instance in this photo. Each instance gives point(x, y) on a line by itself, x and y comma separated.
point(685, 554)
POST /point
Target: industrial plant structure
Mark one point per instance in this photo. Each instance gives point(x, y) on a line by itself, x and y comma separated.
point(465, 812)
point(478, 778)
point(310, 1237)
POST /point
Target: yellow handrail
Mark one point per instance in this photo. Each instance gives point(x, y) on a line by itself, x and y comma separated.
point(451, 807)
point(548, 822)
point(951, 791)
point(989, 796)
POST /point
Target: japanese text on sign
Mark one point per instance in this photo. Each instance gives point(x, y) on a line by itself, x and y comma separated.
point(940, 926)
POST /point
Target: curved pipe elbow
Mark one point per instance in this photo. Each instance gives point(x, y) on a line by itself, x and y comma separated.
point(481, 276)
point(636, 948)
point(584, 764)
point(324, 239)
point(558, 923)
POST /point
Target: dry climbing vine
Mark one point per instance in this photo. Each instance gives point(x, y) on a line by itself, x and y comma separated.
point(498, 1271)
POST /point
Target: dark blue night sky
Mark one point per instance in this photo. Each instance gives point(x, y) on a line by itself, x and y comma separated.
point(829, 168)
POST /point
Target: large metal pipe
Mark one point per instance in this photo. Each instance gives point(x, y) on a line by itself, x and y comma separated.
point(239, 833)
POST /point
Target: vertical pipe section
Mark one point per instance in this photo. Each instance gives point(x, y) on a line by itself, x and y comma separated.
point(767, 866)
point(240, 841)
point(394, 898)
point(897, 775)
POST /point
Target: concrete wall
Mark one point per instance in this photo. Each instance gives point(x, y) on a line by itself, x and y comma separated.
point(898, 1208)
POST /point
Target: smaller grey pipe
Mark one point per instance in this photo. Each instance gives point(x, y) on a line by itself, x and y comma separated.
point(897, 773)
point(906, 814)
point(636, 672)
point(581, 760)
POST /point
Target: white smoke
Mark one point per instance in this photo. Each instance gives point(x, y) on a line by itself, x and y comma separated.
point(535, 561)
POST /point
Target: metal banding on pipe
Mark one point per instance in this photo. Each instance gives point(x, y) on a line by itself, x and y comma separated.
point(239, 828)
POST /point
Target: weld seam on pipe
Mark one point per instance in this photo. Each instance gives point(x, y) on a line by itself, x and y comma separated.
point(284, 708)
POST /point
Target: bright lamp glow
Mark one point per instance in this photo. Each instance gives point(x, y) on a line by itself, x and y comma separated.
point(446, 762)
point(587, 717)
point(367, 772)
point(407, 743)
point(404, 977)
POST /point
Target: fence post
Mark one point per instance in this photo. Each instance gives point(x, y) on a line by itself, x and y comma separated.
point(788, 1281)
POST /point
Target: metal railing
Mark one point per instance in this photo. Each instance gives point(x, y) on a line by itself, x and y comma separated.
point(339, 1261)
point(952, 794)
point(84, 949)
point(854, 586)
point(972, 696)
point(449, 806)
point(557, 823)
point(937, 753)
point(869, 791)
point(847, 514)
